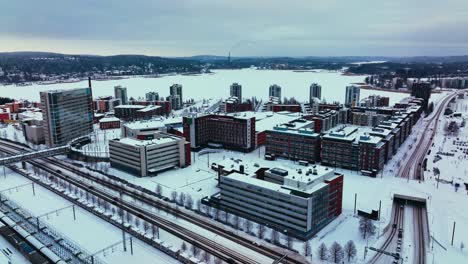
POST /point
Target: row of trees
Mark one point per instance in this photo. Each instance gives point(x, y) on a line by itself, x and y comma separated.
point(336, 253)
point(198, 253)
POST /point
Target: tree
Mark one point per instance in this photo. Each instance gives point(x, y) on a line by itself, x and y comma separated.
point(183, 248)
point(275, 237)
point(174, 196)
point(289, 241)
point(462, 246)
point(336, 252)
point(181, 199)
point(307, 249)
point(322, 252)
point(188, 202)
point(199, 206)
point(350, 250)
point(206, 257)
point(236, 222)
point(248, 226)
point(195, 250)
point(217, 261)
point(366, 227)
point(261, 231)
point(158, 190)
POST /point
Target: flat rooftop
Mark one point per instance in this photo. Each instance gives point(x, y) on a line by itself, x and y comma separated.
point(351, 133)
point(156, 141)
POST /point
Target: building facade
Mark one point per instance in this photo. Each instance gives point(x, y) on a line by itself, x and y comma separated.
point(353, 94)
point(274, 91)
point(422, 90)
point(299, 203)
point(152, 96)
point(120, 92)
point(315, 91)
point(232, 132)
point(149, 155)
point(68, 114)
point(295, 141)
point(176, 98)
point(236, 91)
point(136, 112)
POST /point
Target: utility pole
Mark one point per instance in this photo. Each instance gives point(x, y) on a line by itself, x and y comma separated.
point(355, 199)
point(453, 231)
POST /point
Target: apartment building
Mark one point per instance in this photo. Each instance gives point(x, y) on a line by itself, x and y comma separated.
point(235, 132)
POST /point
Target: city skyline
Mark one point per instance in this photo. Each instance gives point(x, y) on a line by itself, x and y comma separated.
point(185, 28)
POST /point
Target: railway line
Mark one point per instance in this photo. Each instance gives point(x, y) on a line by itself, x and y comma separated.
point(391, 243)
point(115, 187)
point(413, 166)
point(420, 233)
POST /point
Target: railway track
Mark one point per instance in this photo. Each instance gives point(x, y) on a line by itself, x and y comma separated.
point(397, 224)
point(415, 161)
point(157, 203)
point(420, 247)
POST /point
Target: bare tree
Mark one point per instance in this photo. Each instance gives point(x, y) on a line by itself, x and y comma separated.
point(248, 226)
point(336, 252)
point(195, 250)
point(174, 196)
point(236, 222)
point(217, 261)
point(366, 227)
point(350, 250)
point(307, 249)
point(145, 226)
point(322, 252)
point(183, 248)
point(206, 257)
point(181, 199)
point(158, 190)
point(289, 241)
point(261, 231)
point(199, 206)
point(275, 237)
point(188, 202)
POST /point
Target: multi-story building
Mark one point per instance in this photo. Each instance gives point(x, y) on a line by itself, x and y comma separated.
point(136, 112)
point(233, 132)
point(275, 91)
point(299, 203)
point(109, 123)
point(295, 140)
point(68, 114)
point(150, 155)
point(354, 148)
point(236, 91)
point(375, 101)
point(327, 119)
point(104, 104)
point(33, 130)
point(367, 118)
point(5, 114)
point(232, 105)
point(176, 97)
point(315, 91)
point(352, 95)
point(120, 92)
point(152, 96)
point(422, 90)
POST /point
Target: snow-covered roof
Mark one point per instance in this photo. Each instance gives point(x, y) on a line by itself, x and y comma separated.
point(109, 119)
point(352, 133)
point(156, 141)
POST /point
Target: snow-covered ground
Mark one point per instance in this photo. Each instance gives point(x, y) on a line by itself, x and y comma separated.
point(88, 231)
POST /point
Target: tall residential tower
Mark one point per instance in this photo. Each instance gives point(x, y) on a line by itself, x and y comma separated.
point(236, 91)
point(120, 92)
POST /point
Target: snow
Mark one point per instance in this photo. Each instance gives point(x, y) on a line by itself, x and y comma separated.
point(44, 201)
point(254, 83)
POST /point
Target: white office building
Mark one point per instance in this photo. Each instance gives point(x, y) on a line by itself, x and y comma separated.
point(300, 202)
point(147, 157)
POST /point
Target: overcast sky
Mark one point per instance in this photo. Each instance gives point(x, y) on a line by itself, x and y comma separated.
point(244, 27)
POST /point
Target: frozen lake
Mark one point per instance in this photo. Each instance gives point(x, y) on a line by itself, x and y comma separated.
point(254, 83)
